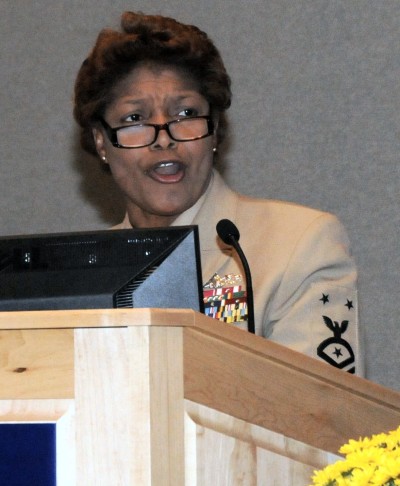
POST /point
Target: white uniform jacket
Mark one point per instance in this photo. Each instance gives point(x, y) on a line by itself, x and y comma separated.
point(304, 279)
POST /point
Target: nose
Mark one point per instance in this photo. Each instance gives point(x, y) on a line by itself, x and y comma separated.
point(163, 139)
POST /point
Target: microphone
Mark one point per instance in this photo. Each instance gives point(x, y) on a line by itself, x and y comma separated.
point(230, 235)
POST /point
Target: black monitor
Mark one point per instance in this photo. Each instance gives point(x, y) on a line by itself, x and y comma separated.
point(157, 267)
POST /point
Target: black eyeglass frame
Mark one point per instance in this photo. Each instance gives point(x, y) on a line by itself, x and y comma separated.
point(112, 133)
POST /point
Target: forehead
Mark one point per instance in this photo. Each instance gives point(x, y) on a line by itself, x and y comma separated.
point(152, 79)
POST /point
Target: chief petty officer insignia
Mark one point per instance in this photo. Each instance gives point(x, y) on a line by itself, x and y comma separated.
point(335, 316)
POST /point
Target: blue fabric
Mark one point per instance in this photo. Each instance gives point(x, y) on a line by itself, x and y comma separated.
point(27, 455)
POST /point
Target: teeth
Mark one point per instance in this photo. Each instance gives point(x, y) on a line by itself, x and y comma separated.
point(168, 168)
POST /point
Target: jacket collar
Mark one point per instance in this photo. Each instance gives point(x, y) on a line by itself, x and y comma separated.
point(220, 202)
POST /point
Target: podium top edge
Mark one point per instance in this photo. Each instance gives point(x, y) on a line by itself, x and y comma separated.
point(86, 318)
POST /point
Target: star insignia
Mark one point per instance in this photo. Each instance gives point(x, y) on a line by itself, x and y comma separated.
point(324, 299)
point(338, 352)
point(349, 304)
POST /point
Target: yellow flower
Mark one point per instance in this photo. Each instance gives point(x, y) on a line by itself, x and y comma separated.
point(328, 475)
point(362, 475)
point(369, 461)
point(365, 456)
point(388, 469)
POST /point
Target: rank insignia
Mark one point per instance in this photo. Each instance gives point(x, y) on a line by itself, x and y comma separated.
point(334, 324)
point(336, 350)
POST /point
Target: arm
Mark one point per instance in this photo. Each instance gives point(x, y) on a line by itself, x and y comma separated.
point(318, 287)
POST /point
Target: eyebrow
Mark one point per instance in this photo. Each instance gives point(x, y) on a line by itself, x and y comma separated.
point(178, 98)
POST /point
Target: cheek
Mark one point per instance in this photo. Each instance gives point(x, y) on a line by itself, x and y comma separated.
point(123, 169)
point(202, 153)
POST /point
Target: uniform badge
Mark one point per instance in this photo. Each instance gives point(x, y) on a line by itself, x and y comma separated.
point(335, 324)
point(225, 299)
point(336, 350)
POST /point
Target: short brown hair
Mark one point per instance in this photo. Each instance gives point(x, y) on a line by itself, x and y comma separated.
point(160, 41)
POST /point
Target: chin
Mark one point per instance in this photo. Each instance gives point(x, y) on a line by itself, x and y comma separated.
point(173, 213)
point(173, 210)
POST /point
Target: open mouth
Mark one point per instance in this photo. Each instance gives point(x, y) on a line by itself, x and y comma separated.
point(167, 172)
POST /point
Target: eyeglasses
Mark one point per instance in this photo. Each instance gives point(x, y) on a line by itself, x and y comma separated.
point(180, 130)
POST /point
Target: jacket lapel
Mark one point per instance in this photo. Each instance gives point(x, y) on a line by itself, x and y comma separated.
point(221, 202)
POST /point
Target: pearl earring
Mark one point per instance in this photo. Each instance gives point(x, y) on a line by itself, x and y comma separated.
point(104, 159)
point(215, 150)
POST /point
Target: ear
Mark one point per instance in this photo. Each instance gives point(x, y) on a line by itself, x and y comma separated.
point(99, 141)
point(215, 136)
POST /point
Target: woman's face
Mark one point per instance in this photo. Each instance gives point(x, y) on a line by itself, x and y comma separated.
point(162, 180)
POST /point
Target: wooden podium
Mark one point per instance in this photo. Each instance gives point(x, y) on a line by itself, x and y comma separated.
point(171, 397)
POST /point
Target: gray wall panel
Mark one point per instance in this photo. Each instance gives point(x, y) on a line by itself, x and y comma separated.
point(315, 119)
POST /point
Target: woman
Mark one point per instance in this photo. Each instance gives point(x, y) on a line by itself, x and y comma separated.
point(151, 103)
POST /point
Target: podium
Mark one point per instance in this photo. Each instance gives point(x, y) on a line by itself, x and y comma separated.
point(172, 397)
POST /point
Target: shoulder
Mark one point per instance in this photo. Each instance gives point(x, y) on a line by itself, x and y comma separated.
point(284, 227)
point(221, 194)
point(284, 220)
point(281, 214)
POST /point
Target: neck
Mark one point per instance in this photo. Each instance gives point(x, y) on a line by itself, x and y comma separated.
point(143, 220)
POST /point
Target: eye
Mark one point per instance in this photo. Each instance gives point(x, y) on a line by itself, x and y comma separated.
point(133, 118)
point(188, 112)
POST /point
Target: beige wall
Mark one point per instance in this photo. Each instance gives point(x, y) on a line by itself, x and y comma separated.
point(315, 119)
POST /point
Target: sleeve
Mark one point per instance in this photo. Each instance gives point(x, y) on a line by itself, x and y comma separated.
point(315, 309)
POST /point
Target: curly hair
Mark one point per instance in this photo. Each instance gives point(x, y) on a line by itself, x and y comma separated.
point(148, 39)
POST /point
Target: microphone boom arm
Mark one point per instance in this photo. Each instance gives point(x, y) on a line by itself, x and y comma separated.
point(249, 284)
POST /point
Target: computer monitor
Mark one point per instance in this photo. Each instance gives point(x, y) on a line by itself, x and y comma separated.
point(156, 267)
